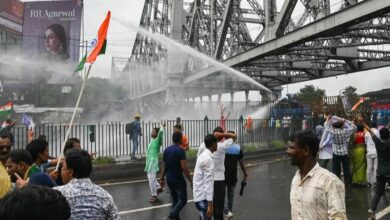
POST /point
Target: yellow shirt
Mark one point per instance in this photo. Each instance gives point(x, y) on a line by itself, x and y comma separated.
point(5, 181)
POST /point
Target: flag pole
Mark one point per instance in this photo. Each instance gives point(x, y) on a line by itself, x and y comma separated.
point(72, 119)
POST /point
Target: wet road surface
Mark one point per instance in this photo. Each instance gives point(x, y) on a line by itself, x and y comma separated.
point(265, 197)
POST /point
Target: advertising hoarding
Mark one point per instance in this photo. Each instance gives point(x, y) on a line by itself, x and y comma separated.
point(51, 30)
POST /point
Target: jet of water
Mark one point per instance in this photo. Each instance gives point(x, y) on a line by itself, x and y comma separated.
point(263, 112)
point(190, 51)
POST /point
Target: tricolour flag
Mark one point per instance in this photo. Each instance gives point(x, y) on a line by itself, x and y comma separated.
point(361, 100)
point(101, 44)
point(6, 109)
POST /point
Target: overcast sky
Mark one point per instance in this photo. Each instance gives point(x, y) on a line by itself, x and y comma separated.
point(121, 38)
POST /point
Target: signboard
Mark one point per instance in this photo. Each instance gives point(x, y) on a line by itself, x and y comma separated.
point(11, 15)
point(51, 30)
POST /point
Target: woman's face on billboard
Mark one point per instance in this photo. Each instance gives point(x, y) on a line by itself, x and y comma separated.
point(52, 42)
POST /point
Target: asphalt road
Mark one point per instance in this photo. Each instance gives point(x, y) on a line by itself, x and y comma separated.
point(266, 197)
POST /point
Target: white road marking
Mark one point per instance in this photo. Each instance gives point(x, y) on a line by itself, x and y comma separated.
point(382, 213)
point(125, 182)
point(149, 208)
point(146, 180)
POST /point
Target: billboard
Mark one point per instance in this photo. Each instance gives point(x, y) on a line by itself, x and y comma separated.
point(11, 15)
point(51, 30)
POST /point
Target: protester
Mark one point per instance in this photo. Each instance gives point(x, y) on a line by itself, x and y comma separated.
point(72, 143)
point(233, 156)
point(371, 157)
point(382, 146)
point(5, 148)
point(175, 165)
point(6, 128)
point(86, 199)
point(69, 144)
point(326, 152)
point(184, 143)
point(315, 193)
point(34, 203)
point(359, 164)
point(151, 166)
point(340, 140)
point(224, 141)
point(204, 179)
point(39, 151)
point(135, 134)
point(19, 167)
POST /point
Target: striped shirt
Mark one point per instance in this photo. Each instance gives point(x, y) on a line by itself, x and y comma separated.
point(340, 138)
point(319, 195)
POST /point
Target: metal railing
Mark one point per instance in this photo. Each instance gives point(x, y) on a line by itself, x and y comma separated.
point(110, 139)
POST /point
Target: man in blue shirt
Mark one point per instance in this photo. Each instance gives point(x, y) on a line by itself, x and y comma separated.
point(233, 156)
point(135, 135)
point(175, 165)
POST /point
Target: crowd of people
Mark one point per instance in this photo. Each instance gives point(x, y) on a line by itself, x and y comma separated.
point(31, 188)
point(359, 155)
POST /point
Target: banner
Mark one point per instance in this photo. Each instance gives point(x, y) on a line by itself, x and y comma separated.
point(51, 30)
point(11, 15)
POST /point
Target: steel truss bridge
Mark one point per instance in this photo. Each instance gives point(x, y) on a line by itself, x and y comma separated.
point(275, 42)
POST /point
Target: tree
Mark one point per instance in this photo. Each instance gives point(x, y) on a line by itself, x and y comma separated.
point(311, 96)
point(101, 95)
point(350, 92)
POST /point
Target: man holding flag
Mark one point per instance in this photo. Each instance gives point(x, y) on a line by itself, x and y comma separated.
point(100, 48)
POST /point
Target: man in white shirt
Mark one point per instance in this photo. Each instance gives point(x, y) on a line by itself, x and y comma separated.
point(224, 141)
point(316, 193)
point(372, 157)
point(203, 179)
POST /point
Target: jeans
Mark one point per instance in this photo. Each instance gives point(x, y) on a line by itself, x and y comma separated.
point(178, 193)
point(229, 198)
point(219, 199)
point(336, 168)
point(134, 139)
point(372, 165)
point(379, 191)
point(202, 208)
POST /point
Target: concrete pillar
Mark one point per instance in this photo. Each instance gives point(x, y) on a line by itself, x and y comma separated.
point(219, 98)
point(265, 96)
point(246, 98)
point(175, 59)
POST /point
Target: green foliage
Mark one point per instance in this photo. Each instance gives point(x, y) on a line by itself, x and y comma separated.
point(278, 144)
point(312, 97)
point(309, 94)
point(191, 153)
point(103, 160)
point(350, 92)
point(101, 93)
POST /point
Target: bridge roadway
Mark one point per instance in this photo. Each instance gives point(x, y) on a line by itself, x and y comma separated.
point(266, 197)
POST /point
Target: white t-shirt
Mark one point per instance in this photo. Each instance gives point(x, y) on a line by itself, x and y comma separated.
point(219, 158)
point(371, 150)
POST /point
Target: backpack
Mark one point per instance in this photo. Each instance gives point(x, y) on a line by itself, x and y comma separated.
point(129, 128)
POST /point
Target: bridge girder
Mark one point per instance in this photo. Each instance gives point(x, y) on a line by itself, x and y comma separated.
point(319, 43)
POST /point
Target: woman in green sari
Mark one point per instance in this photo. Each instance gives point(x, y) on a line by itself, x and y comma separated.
point(359, 163)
